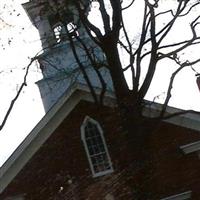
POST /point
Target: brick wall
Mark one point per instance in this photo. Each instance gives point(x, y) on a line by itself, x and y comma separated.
point(60, 169)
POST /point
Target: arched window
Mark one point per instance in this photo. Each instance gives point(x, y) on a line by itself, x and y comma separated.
point(60, 31)
point(95, 147)
point(72, 28)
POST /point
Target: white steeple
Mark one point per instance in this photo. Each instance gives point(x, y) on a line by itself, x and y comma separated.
point(59, 67)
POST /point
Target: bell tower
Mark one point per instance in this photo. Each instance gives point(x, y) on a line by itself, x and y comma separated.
point(56, 21)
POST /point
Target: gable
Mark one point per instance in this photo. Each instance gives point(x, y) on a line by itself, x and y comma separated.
point(44, 129)
point(64, 152)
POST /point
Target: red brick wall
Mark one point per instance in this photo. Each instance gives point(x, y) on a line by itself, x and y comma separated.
point(63, 158)
point(173, 172)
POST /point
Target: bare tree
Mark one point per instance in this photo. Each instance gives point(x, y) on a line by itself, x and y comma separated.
point(151, 47)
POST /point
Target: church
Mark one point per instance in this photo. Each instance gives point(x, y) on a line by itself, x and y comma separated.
point(78, 150)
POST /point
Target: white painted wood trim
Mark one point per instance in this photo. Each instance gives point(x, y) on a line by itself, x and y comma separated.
point(191, 147)
point(181, 196)
point(188, 120)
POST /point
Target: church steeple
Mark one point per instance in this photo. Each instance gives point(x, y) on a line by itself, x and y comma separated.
point(55, 21)
point(48, 17)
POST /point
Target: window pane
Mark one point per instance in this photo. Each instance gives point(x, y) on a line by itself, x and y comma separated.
point(96, 148)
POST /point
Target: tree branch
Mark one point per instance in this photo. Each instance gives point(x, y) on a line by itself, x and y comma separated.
point(95, 66)
point(168, 97)
point(105, 16)
point(82, 68)
point(153, 60)
point(24, 83)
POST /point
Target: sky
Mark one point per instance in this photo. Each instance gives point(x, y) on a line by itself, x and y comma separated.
point(19, 42)
point(185, 93)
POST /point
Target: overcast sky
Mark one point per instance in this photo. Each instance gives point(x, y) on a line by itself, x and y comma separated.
point(18, 43)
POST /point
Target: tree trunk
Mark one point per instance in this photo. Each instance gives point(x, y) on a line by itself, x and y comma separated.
point(136, 127)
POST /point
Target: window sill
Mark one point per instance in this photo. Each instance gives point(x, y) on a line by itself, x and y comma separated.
point(103, 173)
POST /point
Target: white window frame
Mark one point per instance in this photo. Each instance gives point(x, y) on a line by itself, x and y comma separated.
point(87, 151)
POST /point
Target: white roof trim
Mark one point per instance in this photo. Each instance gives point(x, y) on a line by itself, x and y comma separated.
point(188, 120)
point(45, 128)
point(181, 196)
point(190, 148)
